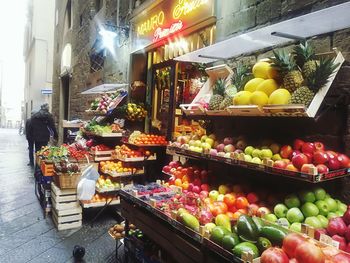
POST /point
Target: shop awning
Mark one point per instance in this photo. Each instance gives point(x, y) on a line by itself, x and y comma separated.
point(105, 88)
point(316, 23)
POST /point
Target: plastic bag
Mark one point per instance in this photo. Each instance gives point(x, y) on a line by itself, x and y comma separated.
point(86, 186)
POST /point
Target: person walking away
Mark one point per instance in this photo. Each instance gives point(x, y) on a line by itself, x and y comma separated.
point(30, 140)
point(42, 127)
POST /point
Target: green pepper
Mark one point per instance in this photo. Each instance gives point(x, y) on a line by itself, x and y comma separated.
point(263, 244)
point(245, 247)
point(247, 229)
point(275, 234)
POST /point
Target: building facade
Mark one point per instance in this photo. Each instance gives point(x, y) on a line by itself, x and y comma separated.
point(38, 54)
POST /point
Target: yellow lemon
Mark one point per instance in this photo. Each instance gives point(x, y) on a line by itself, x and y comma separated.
point(252, 84)
point(260, 69)
point(259, 98)
point(279, 96)
point(242, 98)
point(268, 86)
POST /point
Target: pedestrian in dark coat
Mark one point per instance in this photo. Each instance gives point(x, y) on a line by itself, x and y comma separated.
point(29, 137)
point(42, 127)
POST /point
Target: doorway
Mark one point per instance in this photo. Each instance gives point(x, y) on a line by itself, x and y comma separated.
point(65, 94)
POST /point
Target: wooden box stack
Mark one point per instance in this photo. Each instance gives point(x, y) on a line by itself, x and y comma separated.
point(66, 212)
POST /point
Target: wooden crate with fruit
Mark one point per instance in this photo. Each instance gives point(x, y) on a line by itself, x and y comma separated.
point(66, 212)
point(102, 155)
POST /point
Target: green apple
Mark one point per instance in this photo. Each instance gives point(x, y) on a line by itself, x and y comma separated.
point(331, 215)
point(309, 209)
point(320, 193)
point(204, 137)
point(192, 143)
point(339, 213)
point(322, 207)
point(249, 150)
point(213, 195)
point(276, 157)
point(198, 143)
point(265, 153)
point(206, 146)
point(248, 158)
point(255, 153)
point(323, 220)
point(292, 201)
point(295, 227)
point(280, 210)
point(332, 204)
point(307, 196)
point(327, 196)
point(210, 141)
point(283, 222)
point(341, 206)
point(209, 226)
point(270, 217)
point(256, 160)
point(223, 189)
point(295, 215)
point(313, 221)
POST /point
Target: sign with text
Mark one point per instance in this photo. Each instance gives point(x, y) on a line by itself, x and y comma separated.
point(167, 19)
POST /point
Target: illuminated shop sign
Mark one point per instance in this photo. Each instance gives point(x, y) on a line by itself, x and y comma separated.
point(170, 17)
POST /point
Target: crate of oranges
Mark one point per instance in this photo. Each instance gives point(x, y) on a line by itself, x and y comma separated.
point(117, 169)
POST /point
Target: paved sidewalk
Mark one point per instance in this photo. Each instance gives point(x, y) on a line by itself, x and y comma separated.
point(25, 236)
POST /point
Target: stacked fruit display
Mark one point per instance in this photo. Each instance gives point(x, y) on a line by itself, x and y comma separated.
point(135, 112)
point(188, 177)
point(99, 198)
point(124, 151)
point(50, 153)
point(314, 208)
point(107, 101)
point(140, 138)
point(297, 248)
point(115, 167)
point(107, 184)
point(286, 79)
point(102, 129)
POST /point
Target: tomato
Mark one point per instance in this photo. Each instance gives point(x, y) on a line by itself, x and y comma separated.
point(290, 243)
point(274, 255)
point(309, 253)
point(229, 199)
point(241, 202)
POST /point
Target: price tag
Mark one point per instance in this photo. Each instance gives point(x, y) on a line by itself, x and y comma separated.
point(247, 257)
point(329, 241)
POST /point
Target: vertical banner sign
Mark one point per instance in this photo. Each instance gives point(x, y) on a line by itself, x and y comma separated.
point(167, 19)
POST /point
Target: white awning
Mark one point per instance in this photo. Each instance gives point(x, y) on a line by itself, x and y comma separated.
point(316, 23)
point(105, 88)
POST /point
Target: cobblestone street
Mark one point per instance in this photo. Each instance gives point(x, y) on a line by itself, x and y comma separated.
point(25, 235)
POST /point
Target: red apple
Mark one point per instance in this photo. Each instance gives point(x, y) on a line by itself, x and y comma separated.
point(310, 157)
point(252, 198)
point(320, 157)
point(333, 164)
point(322, 169)
point(204, 176)
point(205, 187)
point(197, 182)
point(295, 152)
point(174, 164)
point(344, 160)
point(280, 164)
point(331, 155)
point(319, 232)
point(319, 146)
point(307, 168)
point(167, 168)
point(203, 194)
point(308, 147)
point(341, 240)
point(299, 160)
point(263, 211)
point(196, 173)
point(190, 187)
point(252, 209)
point(196, 189)
point(286, 151)
point(298, 144)
point(291, 167)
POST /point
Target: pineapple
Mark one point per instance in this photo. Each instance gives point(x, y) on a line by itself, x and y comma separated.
point(288, 69)
point(218, 94)
point(316, 80)
point(242, 76)
point(305, 58)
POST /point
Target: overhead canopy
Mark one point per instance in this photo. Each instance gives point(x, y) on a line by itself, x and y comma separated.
point(105, 88)
point(316, 23)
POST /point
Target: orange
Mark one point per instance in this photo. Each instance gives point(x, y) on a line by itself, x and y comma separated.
point(231, 215)
point(185, 178)
point(178, 182)
point(241, 202)
point(236, 215)
point(229, 199)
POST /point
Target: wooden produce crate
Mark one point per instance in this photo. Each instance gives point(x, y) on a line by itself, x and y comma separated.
point(66, 181)
point(102, 155)
point(214, 73)
point(46, 168)
point(66, 212)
